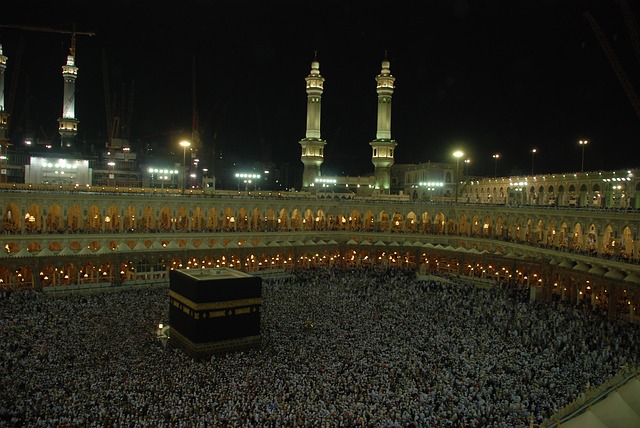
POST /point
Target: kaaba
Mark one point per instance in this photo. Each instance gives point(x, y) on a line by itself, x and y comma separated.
point(214, 310)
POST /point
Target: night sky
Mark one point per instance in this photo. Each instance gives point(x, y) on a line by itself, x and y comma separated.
point(482, 76)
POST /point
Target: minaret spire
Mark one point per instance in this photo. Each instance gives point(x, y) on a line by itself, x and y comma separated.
point(383, 146)
point(4, 121)
point(312, 145)
point(68, 124)
point(3, 67)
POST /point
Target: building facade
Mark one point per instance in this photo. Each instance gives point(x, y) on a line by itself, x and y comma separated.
point(71, 237)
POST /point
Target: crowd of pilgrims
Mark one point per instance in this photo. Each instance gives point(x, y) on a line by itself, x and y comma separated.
point(340, 348)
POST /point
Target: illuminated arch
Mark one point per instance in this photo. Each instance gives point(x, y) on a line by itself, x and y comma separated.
point(129, 221)
point(74, 218)
point(411, 222)
point(242, 220)
point(296, 219)
point(369, 221)
point(213, 220)
point(284, 221)
point(182, 219)
point(94, 219)
point(463, 229)
point(165, 219)
point(355, 220)
point(197, 220)
point(383, 221)
point(33, 219)
point(397, 222)
point(439, 224)
point(255, 223)
point(113, 222)
point(476, 226)
point(270, 220)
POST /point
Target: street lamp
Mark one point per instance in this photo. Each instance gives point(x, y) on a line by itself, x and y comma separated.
point(125, 151)
point(247, 179)
point(457, 154)
point(466, 163)
point(533, 153)
point(3, 164)
point(495, 169)
point(582, 144)
point(185, 145)
point(112, 173)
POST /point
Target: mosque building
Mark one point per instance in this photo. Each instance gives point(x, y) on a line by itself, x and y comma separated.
point(54, 213)
point(67, 226)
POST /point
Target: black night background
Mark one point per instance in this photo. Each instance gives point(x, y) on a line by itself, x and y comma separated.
point(483, 77)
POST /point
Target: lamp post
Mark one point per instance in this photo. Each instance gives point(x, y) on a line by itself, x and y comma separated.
point(125, 151)
point(112, 173)
point(185, 145)
point(3, 164)
point(495, 168)
point(466, 164)
point(533, 153)
point(247, 178)
point(457, 154)
point(582, 144)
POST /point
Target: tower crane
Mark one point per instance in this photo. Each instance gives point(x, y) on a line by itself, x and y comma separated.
point(613, 59)
point(73, 33)
point(107, 99)
point(72, 50)
point(45, 29)
point(632, 27)
point(195, 118)
point(117, 128)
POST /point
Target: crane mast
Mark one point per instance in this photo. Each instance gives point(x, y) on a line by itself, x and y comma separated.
point(45, 29)
point(615, 64)
point(72, 48)
point(107, 99)
point(195, 119)
point(632, 27)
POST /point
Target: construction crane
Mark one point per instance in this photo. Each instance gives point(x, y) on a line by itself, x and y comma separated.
point(195, 118)
point(45, 29)
point(72, 50)
point(116, 128)
point(613, 59)
point(107, 98)
point(73, 33)
point(632, 27)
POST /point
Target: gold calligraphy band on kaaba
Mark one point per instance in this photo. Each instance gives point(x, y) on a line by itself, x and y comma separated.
point(214, 305)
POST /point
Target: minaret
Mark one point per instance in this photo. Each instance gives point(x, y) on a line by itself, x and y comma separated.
point(4, 121)
point(383, 146)
point(312, 145)
point(68, 124)
point(3, 107)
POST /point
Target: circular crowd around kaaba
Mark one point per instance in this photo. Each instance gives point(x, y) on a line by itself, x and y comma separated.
point(341, 347)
